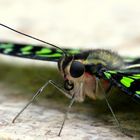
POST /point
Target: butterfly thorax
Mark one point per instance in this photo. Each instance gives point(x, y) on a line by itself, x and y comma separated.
point(79, 72)
point(109, 59)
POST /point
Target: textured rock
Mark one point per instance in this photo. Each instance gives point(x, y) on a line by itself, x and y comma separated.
point(43, 121)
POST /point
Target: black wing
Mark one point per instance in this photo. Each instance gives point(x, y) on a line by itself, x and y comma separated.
point(46, 53)
point(129, 82)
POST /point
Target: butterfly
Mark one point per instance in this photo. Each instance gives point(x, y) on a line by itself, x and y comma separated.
point(89, 73)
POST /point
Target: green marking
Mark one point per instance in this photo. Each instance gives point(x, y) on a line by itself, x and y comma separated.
point(126, 81)
point(112, 72)
point(44, 51)
point(138, 92)
point(135, 76)
point(51, 55)
point(26, 49)
point(7, 47)
point(73, 51)
point(8, 50)
point(108, 75)
point(59, 51)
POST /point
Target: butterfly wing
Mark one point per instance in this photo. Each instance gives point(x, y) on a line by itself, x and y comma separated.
point(132, 64)
point(46, 53)
point(131, 60)
point(129, 82)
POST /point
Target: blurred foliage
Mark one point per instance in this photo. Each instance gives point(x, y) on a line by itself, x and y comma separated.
point(29, 78)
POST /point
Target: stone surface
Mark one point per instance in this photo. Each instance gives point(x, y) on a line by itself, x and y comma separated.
point(42, 121)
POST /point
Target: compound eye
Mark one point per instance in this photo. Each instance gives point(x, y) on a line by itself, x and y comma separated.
point(77, 69)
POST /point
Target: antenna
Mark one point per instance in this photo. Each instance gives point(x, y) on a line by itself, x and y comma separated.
point(64, 52)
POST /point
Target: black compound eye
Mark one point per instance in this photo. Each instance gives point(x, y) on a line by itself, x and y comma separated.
point(77, 69)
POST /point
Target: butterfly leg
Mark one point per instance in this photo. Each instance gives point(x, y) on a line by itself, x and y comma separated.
point(72, 97)
point(110, 108)
point(66, 114)
point(39, 92)
point(108, 104)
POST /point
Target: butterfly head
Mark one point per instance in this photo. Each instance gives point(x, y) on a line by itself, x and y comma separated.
point(72, 70)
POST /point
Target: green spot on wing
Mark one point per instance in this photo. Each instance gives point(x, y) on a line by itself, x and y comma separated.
point(26, 49)
point(135, 76)
point(74, 51)
point(126, 81)
point(7, 47)
point(43, 51)
point(112, 72)
point(138, 92)
point(8, 50)
point(108, 75)
point(59, 51)
point(51, 55)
